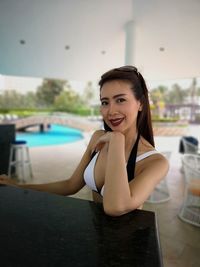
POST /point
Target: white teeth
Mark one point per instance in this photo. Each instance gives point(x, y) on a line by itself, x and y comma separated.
point(117, 120)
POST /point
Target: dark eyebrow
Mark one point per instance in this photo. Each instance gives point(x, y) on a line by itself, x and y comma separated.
point(115, 96)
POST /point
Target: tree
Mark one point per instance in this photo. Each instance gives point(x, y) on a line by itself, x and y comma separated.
point(67, 100)
point(193, 91)
point(159, 94)
point(11, 99)
point(49, 89)
point(88, 94)
point(30, 100)
point(176, 95)
point(158, 97)
point(198, 92)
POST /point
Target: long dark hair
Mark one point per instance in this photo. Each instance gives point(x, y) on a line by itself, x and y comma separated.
point(139, 88)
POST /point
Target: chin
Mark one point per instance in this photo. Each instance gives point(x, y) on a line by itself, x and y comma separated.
point(117, 129)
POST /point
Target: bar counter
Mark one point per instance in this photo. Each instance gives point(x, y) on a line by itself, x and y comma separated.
point(42, 229)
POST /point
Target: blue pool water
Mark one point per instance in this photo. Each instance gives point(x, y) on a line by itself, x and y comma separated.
point(56, 135)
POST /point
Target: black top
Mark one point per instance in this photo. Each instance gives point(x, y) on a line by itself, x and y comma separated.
point(42, 229)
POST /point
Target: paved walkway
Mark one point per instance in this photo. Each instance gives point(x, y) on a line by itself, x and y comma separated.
point(170, 131)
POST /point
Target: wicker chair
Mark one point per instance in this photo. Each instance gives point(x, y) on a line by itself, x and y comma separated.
point(161, 192)
point(188, 145)
point(190, 210)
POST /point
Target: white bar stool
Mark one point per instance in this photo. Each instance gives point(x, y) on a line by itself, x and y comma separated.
point(19, 161)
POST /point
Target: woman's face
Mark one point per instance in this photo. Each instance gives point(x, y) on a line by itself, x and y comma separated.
point(119, 107)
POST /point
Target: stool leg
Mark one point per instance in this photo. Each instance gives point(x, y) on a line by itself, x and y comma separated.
point(22, 165)
point(10, 161)
point(29, 163)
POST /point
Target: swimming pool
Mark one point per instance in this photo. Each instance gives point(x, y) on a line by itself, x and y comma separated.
point(56, 135)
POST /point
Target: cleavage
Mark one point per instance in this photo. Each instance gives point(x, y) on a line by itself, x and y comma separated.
point(99, 170)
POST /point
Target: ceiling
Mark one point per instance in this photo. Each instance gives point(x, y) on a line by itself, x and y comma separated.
point(80, 39)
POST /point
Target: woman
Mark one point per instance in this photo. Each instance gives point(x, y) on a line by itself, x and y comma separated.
point(120, 164)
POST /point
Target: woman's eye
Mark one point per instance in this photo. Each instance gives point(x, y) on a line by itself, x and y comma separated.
point(120, 100)
point(104, 103)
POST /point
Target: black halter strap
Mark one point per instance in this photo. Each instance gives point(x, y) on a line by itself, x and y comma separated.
point(93, 154)
point(132, 159)
point(130, 167)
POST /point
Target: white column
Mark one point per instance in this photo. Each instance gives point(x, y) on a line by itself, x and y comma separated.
point(129, 45)
point(2, 83)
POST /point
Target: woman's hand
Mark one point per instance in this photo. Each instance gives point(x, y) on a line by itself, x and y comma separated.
point(105, 139)
point(5, 180)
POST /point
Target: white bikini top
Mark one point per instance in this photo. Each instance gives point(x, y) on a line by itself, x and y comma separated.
point(89, 171)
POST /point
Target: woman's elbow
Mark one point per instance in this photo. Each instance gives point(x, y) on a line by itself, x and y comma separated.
point(116, 211)
point(112, 212)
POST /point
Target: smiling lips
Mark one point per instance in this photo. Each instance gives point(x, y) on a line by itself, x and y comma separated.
point(116, 122)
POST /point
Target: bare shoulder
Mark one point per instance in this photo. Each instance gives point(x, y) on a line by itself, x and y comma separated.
point(158, 158)
point(156, 163)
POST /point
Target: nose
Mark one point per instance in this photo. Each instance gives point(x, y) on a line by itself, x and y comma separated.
point(112, 109)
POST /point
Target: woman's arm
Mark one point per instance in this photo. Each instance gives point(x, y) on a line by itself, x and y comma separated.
point(121, 196)
point(116, 186)
point(66, 187)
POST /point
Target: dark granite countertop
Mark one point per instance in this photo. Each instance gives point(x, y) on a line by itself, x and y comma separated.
point(41, 229)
